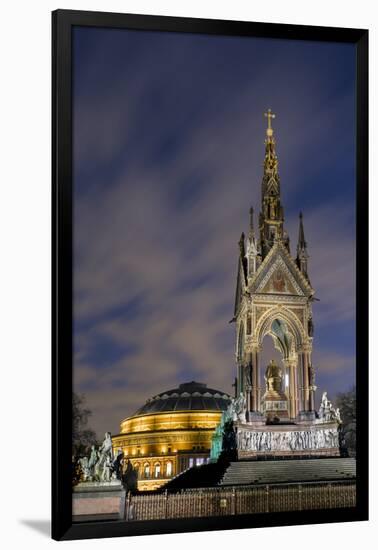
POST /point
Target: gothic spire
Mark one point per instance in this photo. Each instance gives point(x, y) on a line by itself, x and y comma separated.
point(301, 239)
point(270, 161)
point(271, 216)
point(302, 255)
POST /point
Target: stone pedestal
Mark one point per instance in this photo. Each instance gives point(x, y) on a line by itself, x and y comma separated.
point(275, 406)
point(98, 500)
point(274, 402)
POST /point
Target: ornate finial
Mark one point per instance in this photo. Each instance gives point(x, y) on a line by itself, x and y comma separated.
point(302, 255)
point(269, 115)
point(301, 238)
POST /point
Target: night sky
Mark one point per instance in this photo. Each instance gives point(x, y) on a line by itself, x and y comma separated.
point(168, 152)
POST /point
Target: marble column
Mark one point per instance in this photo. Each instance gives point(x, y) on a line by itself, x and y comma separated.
point(305, 391)
point(296, 392)
point(299, 382)
point(258, 406)
point(255, 379)
point(248, 397)
point(312, 387)
point(287, 373)
point(247, 380)
point(292, 389)
point(240, 387)
point(312, 400)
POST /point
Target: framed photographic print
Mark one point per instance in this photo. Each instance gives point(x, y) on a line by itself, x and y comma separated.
point(210, 252)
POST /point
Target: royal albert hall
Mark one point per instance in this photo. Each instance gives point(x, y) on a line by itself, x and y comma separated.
point(171, 432)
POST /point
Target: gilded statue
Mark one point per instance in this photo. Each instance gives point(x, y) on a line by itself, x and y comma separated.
point(273, 377)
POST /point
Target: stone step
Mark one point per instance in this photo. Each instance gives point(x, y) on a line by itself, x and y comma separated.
point(287, 471)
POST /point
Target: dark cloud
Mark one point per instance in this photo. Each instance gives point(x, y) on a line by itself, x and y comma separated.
point(168, 150)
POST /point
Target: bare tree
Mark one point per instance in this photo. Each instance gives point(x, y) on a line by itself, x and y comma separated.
point(346, 401)
point(82, 436)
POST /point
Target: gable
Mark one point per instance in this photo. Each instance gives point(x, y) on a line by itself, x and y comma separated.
point(279, 274)
point(279, 280)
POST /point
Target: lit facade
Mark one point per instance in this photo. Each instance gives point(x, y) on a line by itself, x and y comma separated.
point(171, 432)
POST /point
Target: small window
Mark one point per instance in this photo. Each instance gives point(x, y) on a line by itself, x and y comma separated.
point(191, 462)
point(200, 461)
point(157, 470)
point(249, 324)
point(169, 469)
point(146, 470)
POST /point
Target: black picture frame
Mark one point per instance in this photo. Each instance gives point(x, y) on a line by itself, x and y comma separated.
point(62, 23)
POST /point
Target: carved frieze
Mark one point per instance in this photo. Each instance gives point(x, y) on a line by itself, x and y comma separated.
point(280, 298)
point(301, 440)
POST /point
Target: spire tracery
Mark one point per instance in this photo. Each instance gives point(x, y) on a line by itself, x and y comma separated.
point(271, 216)
point(274, 298)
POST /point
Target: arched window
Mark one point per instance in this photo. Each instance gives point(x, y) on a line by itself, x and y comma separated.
point(157, 469)
point(136, 467)
point(146, 470)
point(168, 469)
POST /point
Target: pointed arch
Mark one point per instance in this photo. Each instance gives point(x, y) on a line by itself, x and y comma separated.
point(283, 315)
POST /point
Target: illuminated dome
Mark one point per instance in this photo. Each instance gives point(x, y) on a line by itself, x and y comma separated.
point(192, 396)
point(171, 432)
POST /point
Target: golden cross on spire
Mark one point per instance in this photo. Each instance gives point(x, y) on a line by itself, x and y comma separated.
point(269, 115)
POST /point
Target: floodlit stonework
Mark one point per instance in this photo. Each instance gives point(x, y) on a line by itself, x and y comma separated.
point(171, 432)
point(274, 297)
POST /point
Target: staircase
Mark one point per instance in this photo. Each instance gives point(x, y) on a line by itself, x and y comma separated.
point(289, 471)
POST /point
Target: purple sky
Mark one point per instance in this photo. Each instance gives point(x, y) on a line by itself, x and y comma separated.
point(168, 152)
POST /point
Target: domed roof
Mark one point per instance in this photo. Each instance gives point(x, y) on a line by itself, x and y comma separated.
point(192, 396)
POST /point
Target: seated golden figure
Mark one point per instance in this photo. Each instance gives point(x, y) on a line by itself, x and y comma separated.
point(274, 401)
point(273, 377)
